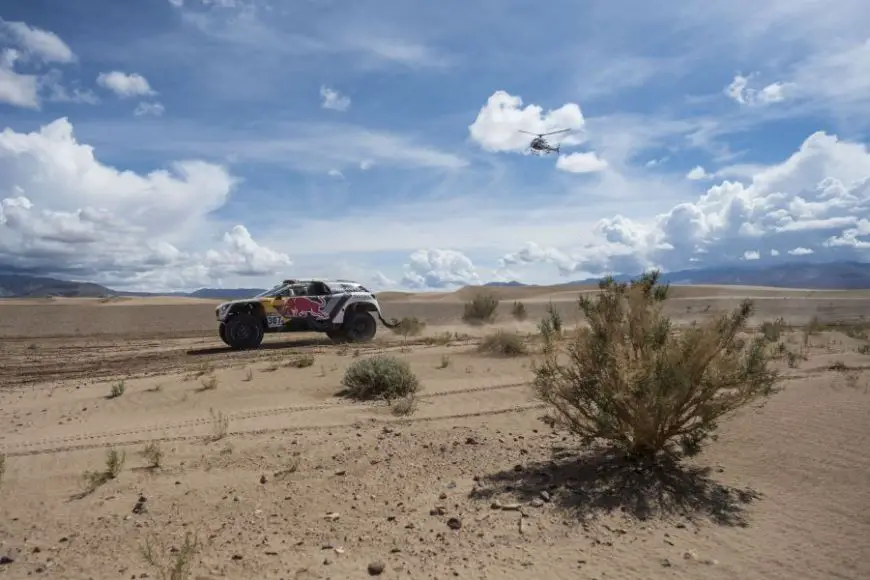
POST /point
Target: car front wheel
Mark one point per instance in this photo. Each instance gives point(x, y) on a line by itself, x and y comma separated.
point(243, 331)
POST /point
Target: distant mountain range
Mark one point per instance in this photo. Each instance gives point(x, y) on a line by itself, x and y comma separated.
point(808, 275)
point(813, 276)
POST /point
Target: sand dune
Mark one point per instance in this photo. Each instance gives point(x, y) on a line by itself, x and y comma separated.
point(303, 484)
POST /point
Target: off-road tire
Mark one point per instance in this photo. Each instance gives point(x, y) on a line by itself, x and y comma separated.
point(222, 332)
point(360, 327)
point(243, 331)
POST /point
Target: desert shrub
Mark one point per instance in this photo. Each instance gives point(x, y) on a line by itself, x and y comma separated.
point(519, 312)
point(632, 381)
point(773, 330)
point(503, 343)
point(481, 309)
point(301, 361)
point(379, 377)
point(554, 318)
point(409, 326)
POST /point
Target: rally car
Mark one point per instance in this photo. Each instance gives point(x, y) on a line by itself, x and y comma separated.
point(343, 309)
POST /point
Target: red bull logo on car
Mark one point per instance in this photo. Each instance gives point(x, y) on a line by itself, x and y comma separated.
point(304, 306)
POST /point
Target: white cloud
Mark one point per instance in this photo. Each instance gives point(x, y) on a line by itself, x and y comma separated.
point(35, 42)
point(125, 85)
point(498, 124)
point(65, 212)
point(334, 100)
point(34, 47)
point(533, 253)
point(740, 91)
point(816, 200)
point(335, 173)
point(436, 268)
point(751, 255)
point(20, 90)
point(149, 109)
point(698, 173)
point(581, 163)
point(366, 164)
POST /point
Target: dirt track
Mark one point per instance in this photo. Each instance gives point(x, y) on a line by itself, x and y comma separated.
point(786, 496)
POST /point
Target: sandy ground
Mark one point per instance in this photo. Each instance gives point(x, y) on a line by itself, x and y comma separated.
point(301, 484)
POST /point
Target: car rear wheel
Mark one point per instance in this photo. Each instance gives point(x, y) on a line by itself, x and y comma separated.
point(360, 327)
point(336, 335)
point(243, 331)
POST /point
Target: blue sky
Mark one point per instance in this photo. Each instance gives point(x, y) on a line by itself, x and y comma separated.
point(169, 144)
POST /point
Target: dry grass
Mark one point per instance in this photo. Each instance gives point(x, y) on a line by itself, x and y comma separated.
point(114, 464)
point(630, 380)
point(117, 390)
point(153, 454)
point(301, 361)
point(220, 425)
point(177, 566)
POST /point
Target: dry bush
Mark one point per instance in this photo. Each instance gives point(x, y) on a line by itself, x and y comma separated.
point(409, 326)
point(220, 425)
point(481, 309)
point(554, 318)
point(379, 377)
point(773, 330)
point(114, 465)
point(519, 312)
point(209, 383)
point(153, 454)
point(404, 406)
point(302, 361)
point(502, 343)
point(117, 390)
point(632, 381)
point(177, 566)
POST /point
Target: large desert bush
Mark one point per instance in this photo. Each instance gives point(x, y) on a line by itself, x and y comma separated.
point(634, 381)
point(481, 309)
point(380, 377)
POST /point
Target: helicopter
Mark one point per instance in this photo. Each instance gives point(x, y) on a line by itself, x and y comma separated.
point(539, 145)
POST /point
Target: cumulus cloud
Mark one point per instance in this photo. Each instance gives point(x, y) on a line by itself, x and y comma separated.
point(334, 100)
point(533, 253)
point(65, 212)
point(581, 163)
point(436, 268)
point(145, 109)
point(35, 42)
point(740, 91)
point(815, 202)
point(698, 173)
point(498, 124)
point(33, 48)
point(125, 85)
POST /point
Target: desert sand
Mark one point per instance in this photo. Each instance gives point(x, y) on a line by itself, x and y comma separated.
point(277, 477)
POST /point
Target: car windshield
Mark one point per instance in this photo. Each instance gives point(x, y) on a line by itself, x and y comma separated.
point(272, 292)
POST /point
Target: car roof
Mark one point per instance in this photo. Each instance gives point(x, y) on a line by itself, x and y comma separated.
point(324, 280)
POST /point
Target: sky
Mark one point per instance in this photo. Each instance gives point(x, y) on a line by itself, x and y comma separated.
point(176, 144)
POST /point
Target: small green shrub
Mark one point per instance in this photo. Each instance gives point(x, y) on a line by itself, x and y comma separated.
point(379, 377)
point(555, 318)
point(481, 309)
point(519, 311)
point(503, 343)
